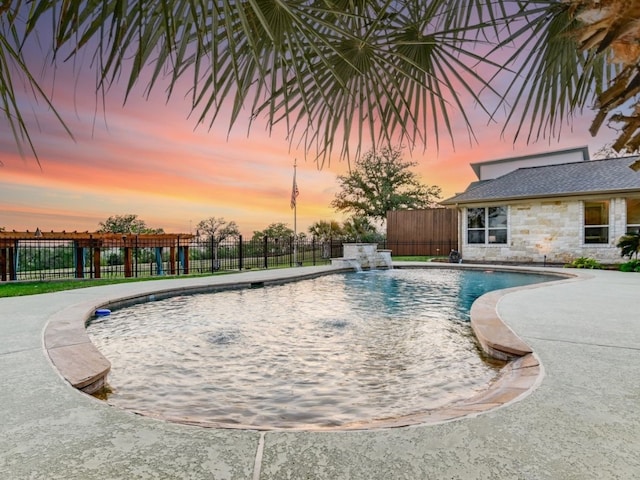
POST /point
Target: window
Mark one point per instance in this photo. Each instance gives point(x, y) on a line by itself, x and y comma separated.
point(633, 215)
point(487, 225)
point(596, 222)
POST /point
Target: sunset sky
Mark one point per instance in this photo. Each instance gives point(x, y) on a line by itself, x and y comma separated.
point(150, 158)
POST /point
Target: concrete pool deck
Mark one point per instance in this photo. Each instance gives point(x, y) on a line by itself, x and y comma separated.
point(581, 422)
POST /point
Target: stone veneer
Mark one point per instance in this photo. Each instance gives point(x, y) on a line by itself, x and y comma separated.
point(549, 228)
point(363, 255)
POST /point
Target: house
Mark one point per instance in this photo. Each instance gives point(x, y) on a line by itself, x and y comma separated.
point(549, 208)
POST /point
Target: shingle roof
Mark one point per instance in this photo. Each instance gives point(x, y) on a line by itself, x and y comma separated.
point(588, 177)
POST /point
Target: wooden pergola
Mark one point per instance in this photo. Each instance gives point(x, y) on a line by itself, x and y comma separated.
point(178, 244)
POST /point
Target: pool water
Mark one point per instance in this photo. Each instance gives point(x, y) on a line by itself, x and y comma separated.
point(324, 352)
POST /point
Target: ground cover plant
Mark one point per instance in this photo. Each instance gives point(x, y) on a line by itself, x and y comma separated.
point(585, 262)
point(631, 266)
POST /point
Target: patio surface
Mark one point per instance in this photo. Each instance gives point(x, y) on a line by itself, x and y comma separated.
point(582, 421)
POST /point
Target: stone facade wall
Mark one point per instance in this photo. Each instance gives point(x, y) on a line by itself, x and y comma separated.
point(551, 231)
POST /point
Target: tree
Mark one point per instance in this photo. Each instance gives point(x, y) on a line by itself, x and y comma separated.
point(360, 229)
point(629, 245)
point(128, 224)
point(218, 229)
point(277, 236)
point(274, 231)
point(324, 230)
point(332, 71)
point(380, 182)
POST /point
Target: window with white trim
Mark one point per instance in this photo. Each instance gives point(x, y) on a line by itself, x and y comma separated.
point(633, 215)
point(596, 222)
point(487, 225)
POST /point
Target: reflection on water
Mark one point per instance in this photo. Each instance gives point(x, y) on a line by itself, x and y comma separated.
point(322, 352)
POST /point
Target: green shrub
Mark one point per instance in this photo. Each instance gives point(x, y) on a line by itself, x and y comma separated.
point(585, 262)
point(631, 266)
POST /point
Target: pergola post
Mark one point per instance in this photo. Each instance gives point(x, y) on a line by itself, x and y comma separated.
point(79, 259)
point(128, 262)
point(3, 264)
point(184, 259)
point(159, 260)
point(96, 262)
point(172, 260)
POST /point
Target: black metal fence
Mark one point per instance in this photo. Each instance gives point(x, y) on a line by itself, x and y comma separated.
point(66, 259)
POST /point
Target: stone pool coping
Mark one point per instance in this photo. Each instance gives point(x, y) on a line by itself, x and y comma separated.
point(85, 368)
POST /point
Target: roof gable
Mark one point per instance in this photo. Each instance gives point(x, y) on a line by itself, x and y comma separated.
point(588, 177)
point(497, 168)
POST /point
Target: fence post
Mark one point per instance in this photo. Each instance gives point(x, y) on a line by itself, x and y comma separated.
point(291, 247)
point(90, 256)
point(13, 261)
point(240, 253)
point(180, 263)
point(136, 253)
point(213, 258)
point(185, 258)
point(313, 250)
point(265, 246)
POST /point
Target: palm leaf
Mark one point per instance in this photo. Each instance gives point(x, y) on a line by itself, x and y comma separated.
point(552, 80)
point(339, 72)
point(13, 66)
point(329, 70)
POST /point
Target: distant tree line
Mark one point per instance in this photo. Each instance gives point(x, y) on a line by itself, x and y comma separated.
point(380, 181)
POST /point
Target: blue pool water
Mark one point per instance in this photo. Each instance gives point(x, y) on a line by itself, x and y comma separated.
point(323, 352)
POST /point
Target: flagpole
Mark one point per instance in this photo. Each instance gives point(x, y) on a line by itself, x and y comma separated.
point(295, 215)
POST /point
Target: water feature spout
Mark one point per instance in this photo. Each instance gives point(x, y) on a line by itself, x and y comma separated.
point(355, 264)
point(385, 256)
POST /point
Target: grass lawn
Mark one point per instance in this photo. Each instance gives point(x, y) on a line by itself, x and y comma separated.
point(416, 258)
point(16, 289)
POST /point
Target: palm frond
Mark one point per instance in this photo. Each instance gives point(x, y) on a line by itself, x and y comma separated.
point(13, 68)
point(339, 73)
point(377, 71)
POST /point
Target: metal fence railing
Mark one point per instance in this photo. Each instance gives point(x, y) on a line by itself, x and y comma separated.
point(130, 256)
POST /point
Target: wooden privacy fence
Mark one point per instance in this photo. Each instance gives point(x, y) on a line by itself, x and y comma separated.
point(422, 232)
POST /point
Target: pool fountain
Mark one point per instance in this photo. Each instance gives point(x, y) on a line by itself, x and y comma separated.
point(364, 256)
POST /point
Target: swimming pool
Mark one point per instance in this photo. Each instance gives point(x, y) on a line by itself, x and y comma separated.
point(325, 352)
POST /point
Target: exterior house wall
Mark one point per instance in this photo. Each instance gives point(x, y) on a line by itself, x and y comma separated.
point(549, 230)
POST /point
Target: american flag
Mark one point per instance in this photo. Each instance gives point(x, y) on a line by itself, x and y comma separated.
point(294, 191)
